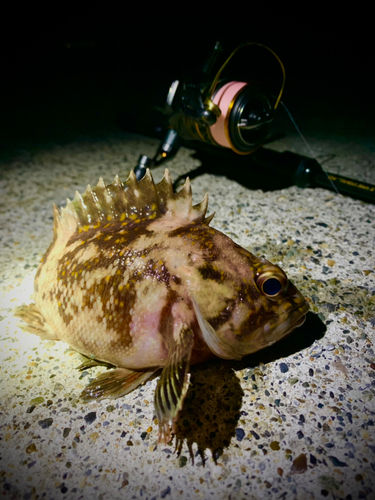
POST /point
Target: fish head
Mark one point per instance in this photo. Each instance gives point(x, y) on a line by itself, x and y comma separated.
point(267, 307)
point(277, 310)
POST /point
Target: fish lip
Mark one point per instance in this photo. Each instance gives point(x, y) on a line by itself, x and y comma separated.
point(299, 320)
point(294, 319)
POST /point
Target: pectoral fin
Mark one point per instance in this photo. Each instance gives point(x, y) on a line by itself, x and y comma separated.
point(34, 322)
point(174, 382)
point(115, 383)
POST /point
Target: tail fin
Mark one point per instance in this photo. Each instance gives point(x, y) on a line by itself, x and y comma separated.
point(34, 322)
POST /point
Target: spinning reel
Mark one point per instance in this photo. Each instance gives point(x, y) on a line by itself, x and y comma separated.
point(224, 113)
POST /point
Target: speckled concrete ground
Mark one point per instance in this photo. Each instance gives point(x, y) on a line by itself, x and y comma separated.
point(293, 422)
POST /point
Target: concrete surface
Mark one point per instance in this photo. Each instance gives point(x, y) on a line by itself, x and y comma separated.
point(293, 422)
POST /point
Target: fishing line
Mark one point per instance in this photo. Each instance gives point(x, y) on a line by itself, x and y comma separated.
point(307, 144)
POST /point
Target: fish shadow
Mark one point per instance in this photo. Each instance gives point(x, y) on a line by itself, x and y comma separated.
point(211, 410)
point(212, 407)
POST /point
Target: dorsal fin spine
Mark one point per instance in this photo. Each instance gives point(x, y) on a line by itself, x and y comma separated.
point(133, 198)
point(101, 183)
point(187, 187)
point(117, 181)
point(202, 206)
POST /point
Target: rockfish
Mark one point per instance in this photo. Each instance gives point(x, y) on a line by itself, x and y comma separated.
point(135, 277)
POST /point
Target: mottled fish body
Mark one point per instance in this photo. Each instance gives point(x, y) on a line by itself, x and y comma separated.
point(137, 278)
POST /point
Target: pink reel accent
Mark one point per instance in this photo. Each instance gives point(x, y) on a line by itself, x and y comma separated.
point(223, 98)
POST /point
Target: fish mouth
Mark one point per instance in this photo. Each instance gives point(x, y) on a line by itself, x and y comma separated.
point(267, 335)
point(293, 320)
point(297, 319)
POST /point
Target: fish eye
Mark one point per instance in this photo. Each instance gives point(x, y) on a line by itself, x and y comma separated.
point(271, 287)
point(272, 283)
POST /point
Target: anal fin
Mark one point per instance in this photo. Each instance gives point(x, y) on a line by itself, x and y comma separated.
point(34, 322)
point(115, 383)
point(173, 384)
point(91, 363)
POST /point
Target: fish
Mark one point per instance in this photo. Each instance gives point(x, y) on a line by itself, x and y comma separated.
point(137, 280)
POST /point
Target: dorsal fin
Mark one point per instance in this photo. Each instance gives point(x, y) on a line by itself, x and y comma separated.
point(128, 201)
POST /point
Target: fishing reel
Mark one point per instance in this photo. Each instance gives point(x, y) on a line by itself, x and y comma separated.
point(225, 113)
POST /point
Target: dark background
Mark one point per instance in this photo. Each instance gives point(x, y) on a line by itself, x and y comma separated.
point(71, 75)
